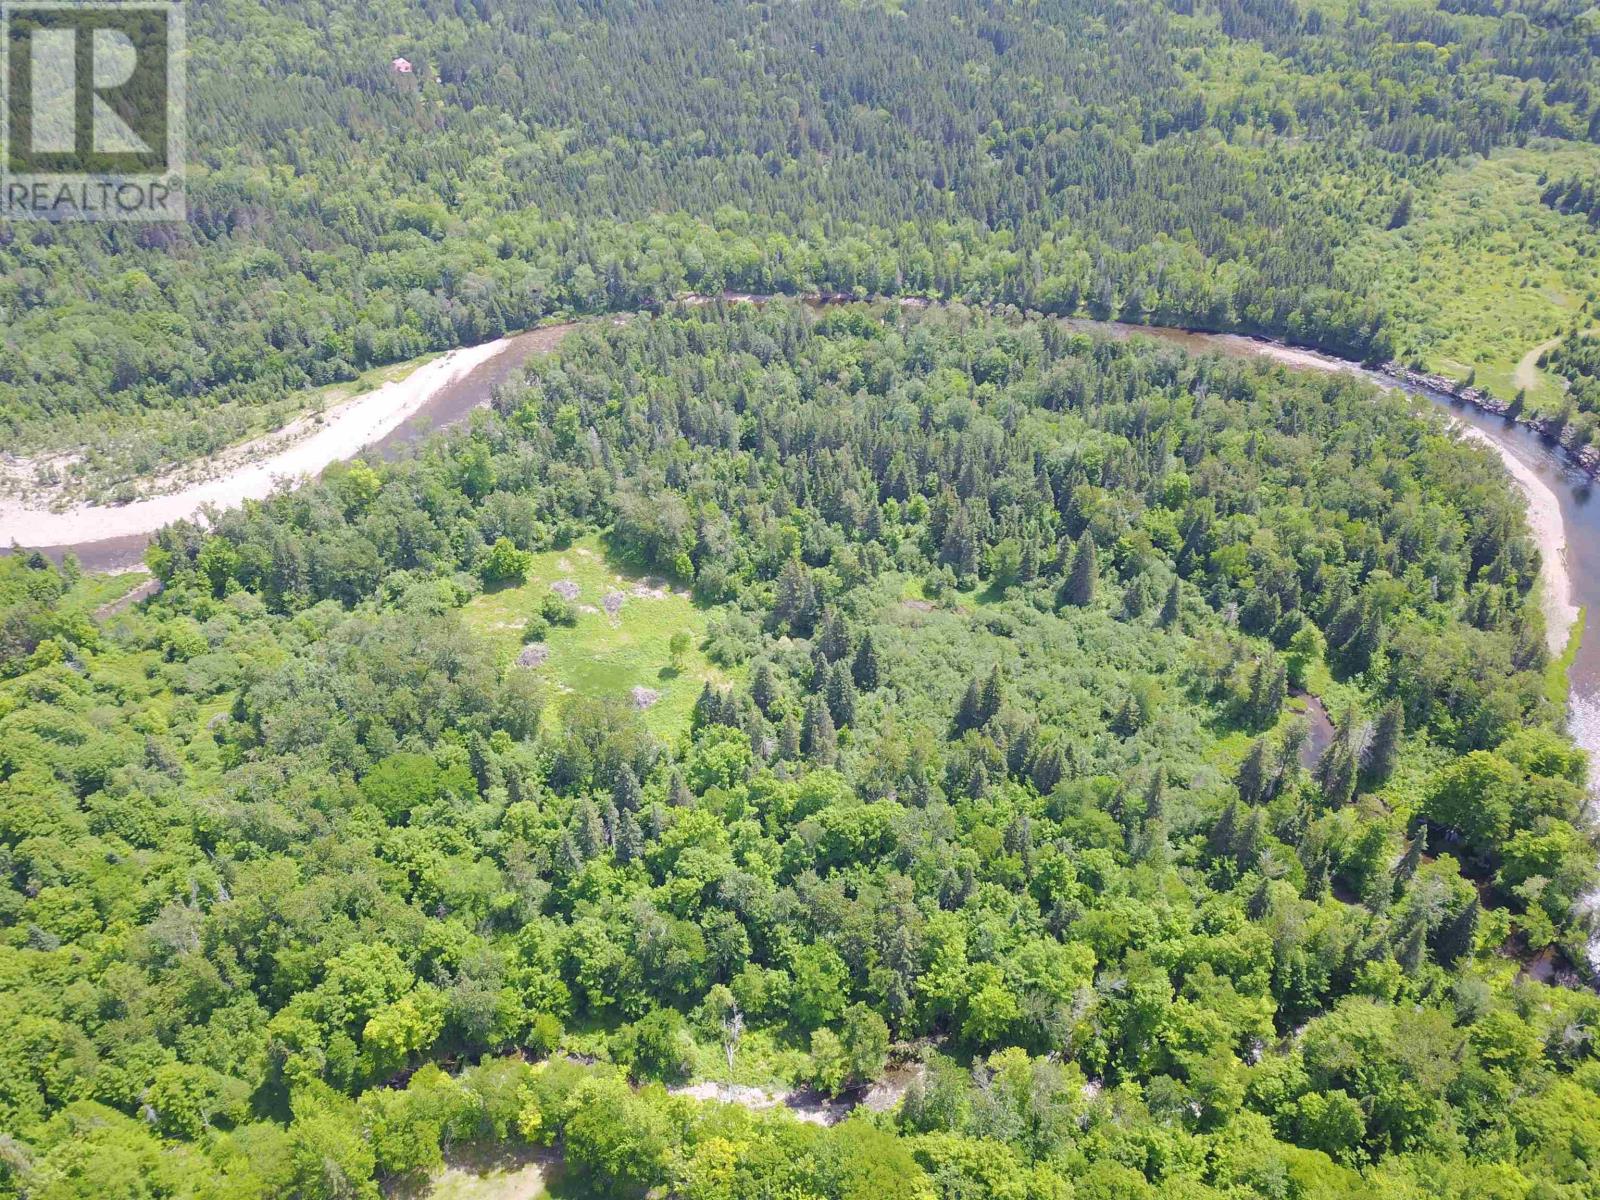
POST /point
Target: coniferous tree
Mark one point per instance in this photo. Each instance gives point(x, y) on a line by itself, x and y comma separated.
point(865, 667)
point(1247, 845)
point(1049, 768)
point(1457, 936)
point(629, 842)
point(1081, 579)
point(817, 735)
point(1384, 748)
point(1411, 859)
point(588, 833)
point(841, 696)
point(834, 638)
point(1169, 607)
point(969, 714)
point(1253, 777)
point(789, 738)
point(763, 687)
point(991, 697)
point(625, 791)
point(1221, 840)
point(678, 794)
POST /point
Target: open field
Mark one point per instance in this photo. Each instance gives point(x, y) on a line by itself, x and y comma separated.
point(1484, 275)
point(603, 655)
point(512, 1175)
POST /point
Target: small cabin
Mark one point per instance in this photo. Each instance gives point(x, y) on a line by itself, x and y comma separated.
point(401, 66)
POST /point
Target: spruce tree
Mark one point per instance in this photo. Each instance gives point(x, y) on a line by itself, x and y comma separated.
point(865, 667)
point(1459, 933)
point(818, 738)
point(588, 833)
point(1384, 748)
point(1081, 579)
point(629, 842)
point(1411, 859)
point(991, 697)
point(841, 696)
point(1253, 775)
point(1220, 843)
point(789, 738)
point(678, 793)
point(1048, 769)
point(763, 687)
point(625, 790)
point(969, 714)
point(1169, 607)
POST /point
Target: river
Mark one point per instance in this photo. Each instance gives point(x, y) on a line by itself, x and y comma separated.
point(1574, 490)
point(1580, 512)
point(1540, 462)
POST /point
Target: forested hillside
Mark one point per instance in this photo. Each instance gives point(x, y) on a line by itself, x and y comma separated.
point(1183, 162)
point(1014, 774)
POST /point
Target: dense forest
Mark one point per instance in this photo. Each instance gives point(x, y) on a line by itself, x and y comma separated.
point(1017, 780)
point(1185, 162)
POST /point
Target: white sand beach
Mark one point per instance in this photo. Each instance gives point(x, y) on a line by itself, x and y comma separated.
point(251, 472)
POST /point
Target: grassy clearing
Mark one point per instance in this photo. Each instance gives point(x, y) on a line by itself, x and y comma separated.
point(600, 655)
point(1484, 272)
point(512, 1175)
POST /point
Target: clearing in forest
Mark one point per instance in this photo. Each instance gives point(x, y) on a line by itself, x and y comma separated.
point(1484, 271)
point(619, 644)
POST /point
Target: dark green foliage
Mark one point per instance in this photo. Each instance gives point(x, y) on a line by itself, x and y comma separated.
point(290, 833)
point(1084, 573)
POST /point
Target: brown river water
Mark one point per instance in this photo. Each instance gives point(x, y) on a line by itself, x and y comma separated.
point(1575, 490)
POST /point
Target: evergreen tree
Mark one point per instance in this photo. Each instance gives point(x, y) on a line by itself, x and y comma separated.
point(678, 794)
point(588, 834)
point(625, 790)
point(1260, 902)
point(992, 696)
point(1253, 777)
point(969, 714)
point(1411, 859)
point(1170, 608)
point(834, 638)
point(789, 738)
point(1414, 948)
point(1384, 748)
point(817, 735)
point(763, 687)
point(841, 696)
point(707, 708)
point(629, 841)
point(865, 667)
point(1459, 933)
point(1247, 846)
point(1081, 579)
point(978, 781)
point(1220, 842)
point(1125, 722)
point(1049, 768)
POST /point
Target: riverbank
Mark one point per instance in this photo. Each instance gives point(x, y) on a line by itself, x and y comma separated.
point(375, 422)
point(252, 471)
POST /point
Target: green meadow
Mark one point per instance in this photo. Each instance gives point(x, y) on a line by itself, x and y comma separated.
point(1484, 274)
point(603, 655)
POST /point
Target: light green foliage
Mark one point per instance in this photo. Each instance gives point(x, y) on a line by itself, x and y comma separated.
point(287, 837)
point(595, 655)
